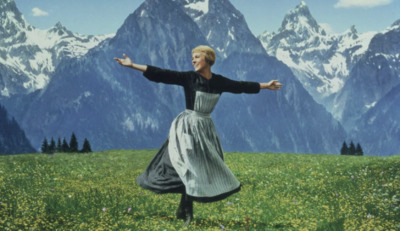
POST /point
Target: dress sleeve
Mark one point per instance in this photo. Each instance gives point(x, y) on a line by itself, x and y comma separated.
point(232, 86)
point(160, 75)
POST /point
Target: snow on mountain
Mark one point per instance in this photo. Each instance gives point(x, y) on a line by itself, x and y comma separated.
point(197, 9)
point(12, 22)
point(371, 78)
point(321, 61)
point(33, 54)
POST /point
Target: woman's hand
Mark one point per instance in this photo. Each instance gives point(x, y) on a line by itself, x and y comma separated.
point(271, 85)
point(127, 62)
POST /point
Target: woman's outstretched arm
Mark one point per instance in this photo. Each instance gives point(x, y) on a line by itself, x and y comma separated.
point(153, 73)
point(127, 62)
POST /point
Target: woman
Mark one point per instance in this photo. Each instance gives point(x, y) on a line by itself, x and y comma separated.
point(191, 160)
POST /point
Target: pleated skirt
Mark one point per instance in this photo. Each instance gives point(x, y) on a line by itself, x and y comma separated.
point(191, 161)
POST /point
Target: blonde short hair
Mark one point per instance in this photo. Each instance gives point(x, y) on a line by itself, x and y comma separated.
point(208, 51)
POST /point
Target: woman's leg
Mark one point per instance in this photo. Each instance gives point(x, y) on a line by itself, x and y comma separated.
point(180, 213)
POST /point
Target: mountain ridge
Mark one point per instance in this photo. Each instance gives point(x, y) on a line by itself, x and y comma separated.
point(80, 96)
point(32, 54)
point(320, 61)
point(88, 93)
point(348, 73)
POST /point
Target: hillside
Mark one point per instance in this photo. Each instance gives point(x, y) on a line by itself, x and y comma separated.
point(12, 137)
point(280, 192)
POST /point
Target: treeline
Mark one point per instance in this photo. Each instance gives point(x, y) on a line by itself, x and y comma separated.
point(351, 150)
point(62, 146)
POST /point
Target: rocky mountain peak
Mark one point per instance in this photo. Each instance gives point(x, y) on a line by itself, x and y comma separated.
point(321, 62)
point(59, 26)
point(7, 5)
point(397, 23)
point(353, 29)
point(158, 19)
point(224, 27)
point(351, 33)
point(11, 21)
point(301, 21)
point(59, 29)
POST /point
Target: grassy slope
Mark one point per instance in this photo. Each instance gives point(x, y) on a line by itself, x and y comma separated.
point(280, 192)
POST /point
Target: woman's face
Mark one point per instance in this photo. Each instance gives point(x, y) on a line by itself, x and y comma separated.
point(199, 61)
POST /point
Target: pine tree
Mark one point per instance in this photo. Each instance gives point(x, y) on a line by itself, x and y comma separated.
point(64, 146)
point(352, 149)
point(45, 146)
point(73, 143)
point(344, 150)
point(59, 148)
point(86, 146)
point(52, 147)
point(359, 151)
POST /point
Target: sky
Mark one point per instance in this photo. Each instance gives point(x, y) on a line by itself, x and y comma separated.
point(91, 17)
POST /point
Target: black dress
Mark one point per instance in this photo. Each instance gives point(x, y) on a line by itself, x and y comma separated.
point(191, 160)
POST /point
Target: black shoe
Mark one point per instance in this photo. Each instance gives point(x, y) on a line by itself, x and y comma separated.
point(188, 220)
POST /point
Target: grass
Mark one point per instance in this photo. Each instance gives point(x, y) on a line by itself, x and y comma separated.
point(98, 191)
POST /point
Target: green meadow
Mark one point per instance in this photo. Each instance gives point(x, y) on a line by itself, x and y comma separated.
point(98, 191)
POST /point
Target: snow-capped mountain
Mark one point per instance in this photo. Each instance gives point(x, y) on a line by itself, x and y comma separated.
point(55, 82)
point(351, 74)
point(223, 26)
point(321, 61)
point(31, 55)
point(115, 107)
point(372, 77)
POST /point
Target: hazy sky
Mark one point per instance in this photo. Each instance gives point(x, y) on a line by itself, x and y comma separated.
point(106, 16)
